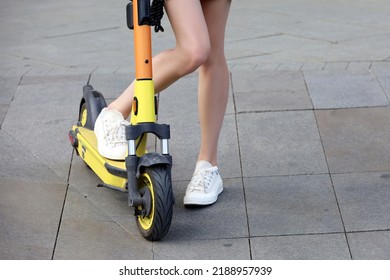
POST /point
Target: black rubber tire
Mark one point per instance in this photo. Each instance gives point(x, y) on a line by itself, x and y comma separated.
point(82, 117)
point(156, 225)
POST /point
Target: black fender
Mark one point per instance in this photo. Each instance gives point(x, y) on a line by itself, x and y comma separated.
point(94, 102)
point(135, 166)
point(150, 159)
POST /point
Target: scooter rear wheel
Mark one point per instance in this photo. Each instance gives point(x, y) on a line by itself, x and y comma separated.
point(155, 182)
point(83, 114)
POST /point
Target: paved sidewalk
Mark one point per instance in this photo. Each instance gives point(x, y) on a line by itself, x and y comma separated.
point(304, 151)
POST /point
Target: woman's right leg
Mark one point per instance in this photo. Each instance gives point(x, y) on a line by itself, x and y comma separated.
point(191, 50)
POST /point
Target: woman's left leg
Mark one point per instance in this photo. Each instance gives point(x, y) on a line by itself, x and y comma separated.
point(206, 183)
point(213, 89)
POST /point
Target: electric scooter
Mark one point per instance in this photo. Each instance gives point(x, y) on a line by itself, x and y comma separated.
point(144, 175)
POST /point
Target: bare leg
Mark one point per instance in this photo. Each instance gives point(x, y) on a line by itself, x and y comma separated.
point(213, 80)
point(191, 50)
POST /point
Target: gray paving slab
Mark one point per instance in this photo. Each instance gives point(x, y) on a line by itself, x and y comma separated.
point(111, 85)
point(301, 247)
point(370, 245)
point(179, 108)
point(364, 200)
point(17, 161)
point(359, 66)
point(335, 65)
point(312, 33)
point(30, 217)
point(181, 99)
point(63, 33)
point(38, 69)
point(13, 66)
point(42, 111)
point(312, 65)
point(344, 89)
point(185, 142)
point(382, 71)
point(46, 99)
point(8, 85)
point(3, 111)
point(228, 149)
point(218, 249)
point(99, 236)
point(110, 204)
point(265, 91)
point(280, 143)
point(355, 140)
point(48, 142)
point(223, 220)
point(291, 205)
point(97, 240)
point(81, 176)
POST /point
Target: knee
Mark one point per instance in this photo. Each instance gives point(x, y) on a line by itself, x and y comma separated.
point(195, 56)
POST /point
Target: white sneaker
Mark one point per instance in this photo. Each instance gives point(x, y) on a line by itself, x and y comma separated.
point(205, 186)
point(110, 133)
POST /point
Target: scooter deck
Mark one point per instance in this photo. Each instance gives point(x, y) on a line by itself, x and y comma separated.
point(111, 172)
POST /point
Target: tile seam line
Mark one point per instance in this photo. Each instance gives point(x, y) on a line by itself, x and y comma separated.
point(62, 208)
point(327, 165)
point(380, 84)
point(241, 167)
point(310, 109)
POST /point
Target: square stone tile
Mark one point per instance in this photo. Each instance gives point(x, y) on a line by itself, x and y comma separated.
point(8, 86)
point(180, 100)
point(40, 116)
point(223, 220)
point(218, 249)
point(364, 200)
point(46, 99)
point(111, 85)
point(355, 140)
point(99, 234)
point(30, 216)
point(291, 205)
point(301, 247)
point(344, 89)
point(98, 240)
point(110, 204)
point(370, 245)
point(269, 90)
point(179, 109)
point(382, 71)
point(47, 142)
point(280, 143)
point(81, 175)
point(3, 111)
point(187, 223)
point(17, 161)
point(185, 144)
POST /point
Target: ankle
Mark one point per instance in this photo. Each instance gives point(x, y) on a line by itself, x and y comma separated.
point(124, 113)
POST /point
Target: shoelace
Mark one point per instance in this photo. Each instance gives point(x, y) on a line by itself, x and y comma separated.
point(201, 180)
point(116, 133)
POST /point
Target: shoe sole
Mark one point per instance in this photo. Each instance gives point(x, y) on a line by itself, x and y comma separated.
point(199, 202)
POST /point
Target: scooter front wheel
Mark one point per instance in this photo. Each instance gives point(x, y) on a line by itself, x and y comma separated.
point(155, 186)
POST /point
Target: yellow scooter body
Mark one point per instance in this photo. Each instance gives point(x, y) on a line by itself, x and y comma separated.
point(111, 172)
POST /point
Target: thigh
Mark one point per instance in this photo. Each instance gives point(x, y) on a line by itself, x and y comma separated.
point(188, 22)
point(216, 14)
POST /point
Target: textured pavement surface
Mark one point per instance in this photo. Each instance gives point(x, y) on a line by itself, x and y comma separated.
point(304, 150)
